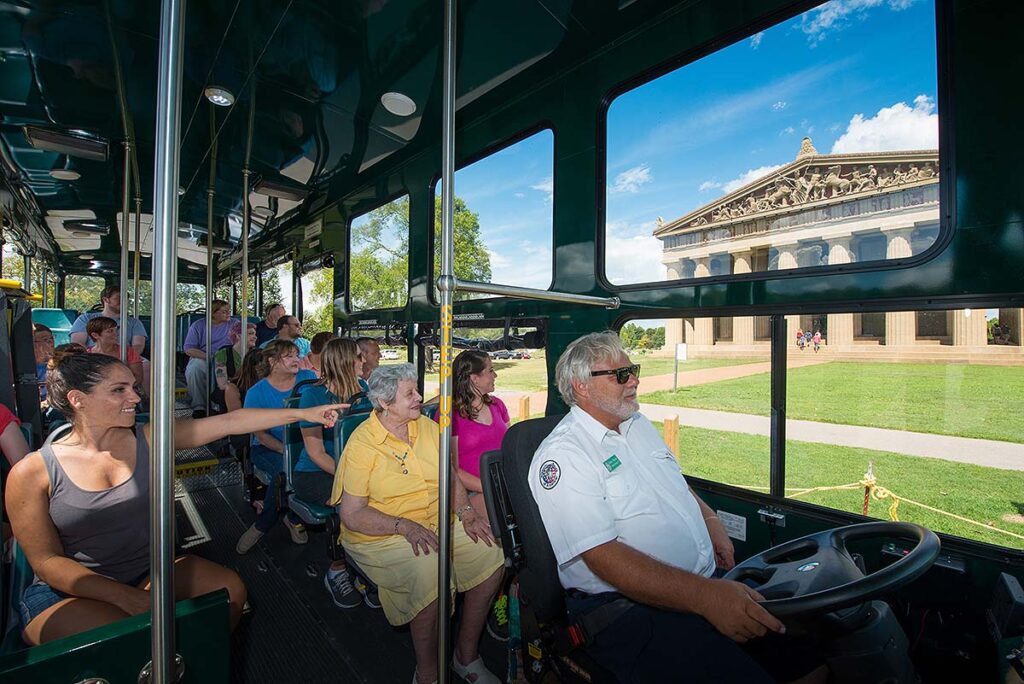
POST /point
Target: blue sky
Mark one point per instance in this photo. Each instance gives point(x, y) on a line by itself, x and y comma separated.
point(853, 75)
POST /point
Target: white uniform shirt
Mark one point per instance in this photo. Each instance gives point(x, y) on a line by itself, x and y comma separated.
point(594, 485)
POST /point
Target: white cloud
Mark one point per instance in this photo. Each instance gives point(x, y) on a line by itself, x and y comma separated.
point(834, 127)
point(748, 176)
point(630, 180)
point(755, 40)
point(834, 16)
point(779, 106)
point(709, 185)
point(547, 186)
point(788, 130)
point(520, 195)
point(526, 264)
point(899, 127)
point(634, 259)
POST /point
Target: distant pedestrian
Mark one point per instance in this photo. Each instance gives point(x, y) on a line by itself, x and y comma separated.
point(800, 341)
point(816, 340)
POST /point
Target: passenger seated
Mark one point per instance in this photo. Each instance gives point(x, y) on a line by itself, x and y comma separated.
point(102, 332)
point(370, 349)
point(387, 485)
point(229, 361)
point(42, 344)
point(314, 471)
point(197, 347)
point(80, 507)
point(637, 529)
point(110, 300)
point(280, 368)
point(316, 348)
point(53, 416)
point(251, 372)
point(12, 441)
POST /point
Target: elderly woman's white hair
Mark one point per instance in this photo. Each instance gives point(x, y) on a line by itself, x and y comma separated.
point(576, 362)
point(383, 382)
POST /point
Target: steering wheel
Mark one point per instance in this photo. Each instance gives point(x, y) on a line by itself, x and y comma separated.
point(824, 577)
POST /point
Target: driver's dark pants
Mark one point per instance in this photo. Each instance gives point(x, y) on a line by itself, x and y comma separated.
point(651, 645)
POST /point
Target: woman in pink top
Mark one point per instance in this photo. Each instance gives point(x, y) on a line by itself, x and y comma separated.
point(479, 420)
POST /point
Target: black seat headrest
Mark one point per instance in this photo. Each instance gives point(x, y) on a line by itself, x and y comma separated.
point(538, 578)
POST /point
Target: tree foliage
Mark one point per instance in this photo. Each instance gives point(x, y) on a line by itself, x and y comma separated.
point(380, 253)
point(320, 316)
point(636, 337)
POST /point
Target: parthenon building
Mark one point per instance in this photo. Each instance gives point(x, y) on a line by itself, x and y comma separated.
point(821, 210)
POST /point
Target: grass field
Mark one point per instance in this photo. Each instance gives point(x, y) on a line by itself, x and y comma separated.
point(529, 375)
point(952, 399)
point(982, 494)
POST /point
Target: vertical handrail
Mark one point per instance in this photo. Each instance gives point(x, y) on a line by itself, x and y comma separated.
point(126, 189)
point(165, 230)
point(27, 276)
point(777, 438)
point(210, 191)
point(137, 271)
point(446, 287)
point(246, 212)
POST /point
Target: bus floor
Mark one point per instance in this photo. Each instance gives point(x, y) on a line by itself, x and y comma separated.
point(292, 631)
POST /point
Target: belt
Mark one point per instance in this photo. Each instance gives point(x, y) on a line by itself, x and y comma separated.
point(585, 627)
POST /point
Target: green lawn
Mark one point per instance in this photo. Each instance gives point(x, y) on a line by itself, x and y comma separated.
point(975, 492)
point(662, 365)
point(952, 399)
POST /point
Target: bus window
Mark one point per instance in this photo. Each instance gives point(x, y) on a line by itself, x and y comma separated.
point(503, 216)
point(714, 357)
point(811, 144)
point(919, 419)
point(379, 249)
point(81, 293)
point(318, 302)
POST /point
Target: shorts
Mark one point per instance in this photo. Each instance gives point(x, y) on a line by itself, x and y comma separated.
point(407, 583)
point(39, 596)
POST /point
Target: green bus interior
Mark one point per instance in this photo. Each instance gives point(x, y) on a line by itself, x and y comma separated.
point(300, 86)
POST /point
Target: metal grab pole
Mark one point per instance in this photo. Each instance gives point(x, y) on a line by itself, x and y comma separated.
point(446, 286)
point(246, 211)
point(27, 264)
point(137, 273)
point(210, 191)
point(46, 274)
point(165, 231)
point(532, 293)
point(122, 325)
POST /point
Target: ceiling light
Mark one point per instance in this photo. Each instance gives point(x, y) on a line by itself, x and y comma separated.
point(80, 234)
point(263, 212)
point(194, 267)
point(63, 171)
point(219, 95)
point(281, 187)
point(398, 104)
point(77, 144)
point(181, 190)
point(85, 257)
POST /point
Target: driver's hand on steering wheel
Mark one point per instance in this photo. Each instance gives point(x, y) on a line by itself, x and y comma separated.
point(734, 610)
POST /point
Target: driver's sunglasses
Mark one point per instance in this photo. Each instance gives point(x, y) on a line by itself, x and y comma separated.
point(621, 374)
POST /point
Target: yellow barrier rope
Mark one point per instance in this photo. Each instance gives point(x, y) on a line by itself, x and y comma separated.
point(880, 494)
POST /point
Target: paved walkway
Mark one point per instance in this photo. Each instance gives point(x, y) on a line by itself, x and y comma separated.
point(983, 452)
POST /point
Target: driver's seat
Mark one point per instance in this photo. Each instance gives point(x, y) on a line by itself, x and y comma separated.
point(551, 644)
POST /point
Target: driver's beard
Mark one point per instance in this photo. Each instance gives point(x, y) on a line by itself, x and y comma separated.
point(621, 408)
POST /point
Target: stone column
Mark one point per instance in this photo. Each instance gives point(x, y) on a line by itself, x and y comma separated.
point(704, 331)
point(689, 333)
point(900, 326)
point(840, 325)
point(787, 259)
point(969, 330)
point(742, 326)
point(673, 326)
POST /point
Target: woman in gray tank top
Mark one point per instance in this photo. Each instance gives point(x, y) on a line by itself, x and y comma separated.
point(79, 507)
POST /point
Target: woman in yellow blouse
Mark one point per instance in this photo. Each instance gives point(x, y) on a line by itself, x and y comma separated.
point(387, 484)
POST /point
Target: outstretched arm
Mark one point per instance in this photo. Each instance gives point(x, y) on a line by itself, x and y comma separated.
point(193, 433)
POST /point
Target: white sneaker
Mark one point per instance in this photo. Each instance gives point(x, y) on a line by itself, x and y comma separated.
point(417, 681)
point(248, 539)
point(297, 531)
point(474, 673)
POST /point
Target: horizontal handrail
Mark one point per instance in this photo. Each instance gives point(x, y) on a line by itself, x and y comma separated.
point(532, 293)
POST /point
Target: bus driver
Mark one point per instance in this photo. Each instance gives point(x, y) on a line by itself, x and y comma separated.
point(638, 531)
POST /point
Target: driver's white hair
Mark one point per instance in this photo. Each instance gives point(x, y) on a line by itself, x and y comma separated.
point(578, 359)
point(384, 380)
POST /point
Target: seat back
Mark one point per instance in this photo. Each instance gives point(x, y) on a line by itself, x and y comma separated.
point(293, 444)
point(344, 428)
point(59, 321)
point(523, 536)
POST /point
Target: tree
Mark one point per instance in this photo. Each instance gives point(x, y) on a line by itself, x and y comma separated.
point(320, 317)
point(380, 254)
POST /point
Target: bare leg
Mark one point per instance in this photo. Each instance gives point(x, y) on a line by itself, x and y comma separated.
point(194, 576)
point(476, 604)
point(68, 617)
point(424, 642)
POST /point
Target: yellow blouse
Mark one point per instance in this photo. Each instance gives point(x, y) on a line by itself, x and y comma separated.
point(398, 479)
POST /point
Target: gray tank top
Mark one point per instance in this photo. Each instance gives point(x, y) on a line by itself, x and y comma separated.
point(106, 531)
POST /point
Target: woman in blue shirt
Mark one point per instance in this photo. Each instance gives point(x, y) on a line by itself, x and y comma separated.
point(280, 361)
point(340, 366)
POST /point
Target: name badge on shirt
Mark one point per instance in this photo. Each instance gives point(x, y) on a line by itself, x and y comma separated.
point(612, 463)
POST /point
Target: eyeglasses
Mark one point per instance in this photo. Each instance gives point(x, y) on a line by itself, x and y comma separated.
point(621, 374)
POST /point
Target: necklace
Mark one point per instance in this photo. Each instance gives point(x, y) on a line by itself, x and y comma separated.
point(401, 461)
